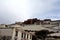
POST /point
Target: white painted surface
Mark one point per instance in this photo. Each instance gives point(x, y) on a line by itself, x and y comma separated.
point(19, 35)
point(13, 34)
point(55, 34)
point(35, 27)
point(6, 32)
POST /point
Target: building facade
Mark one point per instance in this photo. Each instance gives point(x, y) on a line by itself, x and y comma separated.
point(14, 32)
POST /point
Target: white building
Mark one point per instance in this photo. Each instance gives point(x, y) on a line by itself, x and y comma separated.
point(14, 32)
point(20, 31)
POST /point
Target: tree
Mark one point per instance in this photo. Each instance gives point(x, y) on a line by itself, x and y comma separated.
point(42, 34)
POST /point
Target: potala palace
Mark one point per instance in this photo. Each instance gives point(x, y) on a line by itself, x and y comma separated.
point(25, 30)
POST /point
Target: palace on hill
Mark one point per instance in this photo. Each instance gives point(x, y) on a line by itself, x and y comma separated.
point(25, 30)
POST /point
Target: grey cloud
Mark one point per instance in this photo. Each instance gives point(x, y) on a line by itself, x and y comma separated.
point(16, 10)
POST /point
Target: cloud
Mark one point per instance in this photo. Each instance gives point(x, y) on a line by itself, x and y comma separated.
point(20, 10)
point(48, 9)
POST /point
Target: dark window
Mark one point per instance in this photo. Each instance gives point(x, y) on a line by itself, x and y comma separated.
point(16, 33)
point(22, 35)
point(30, 36)
point(6, 25)
point(27, 36)
point(4, 37)
point(15, 38)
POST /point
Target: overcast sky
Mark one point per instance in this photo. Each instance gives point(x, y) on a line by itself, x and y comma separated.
point(20, 10)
